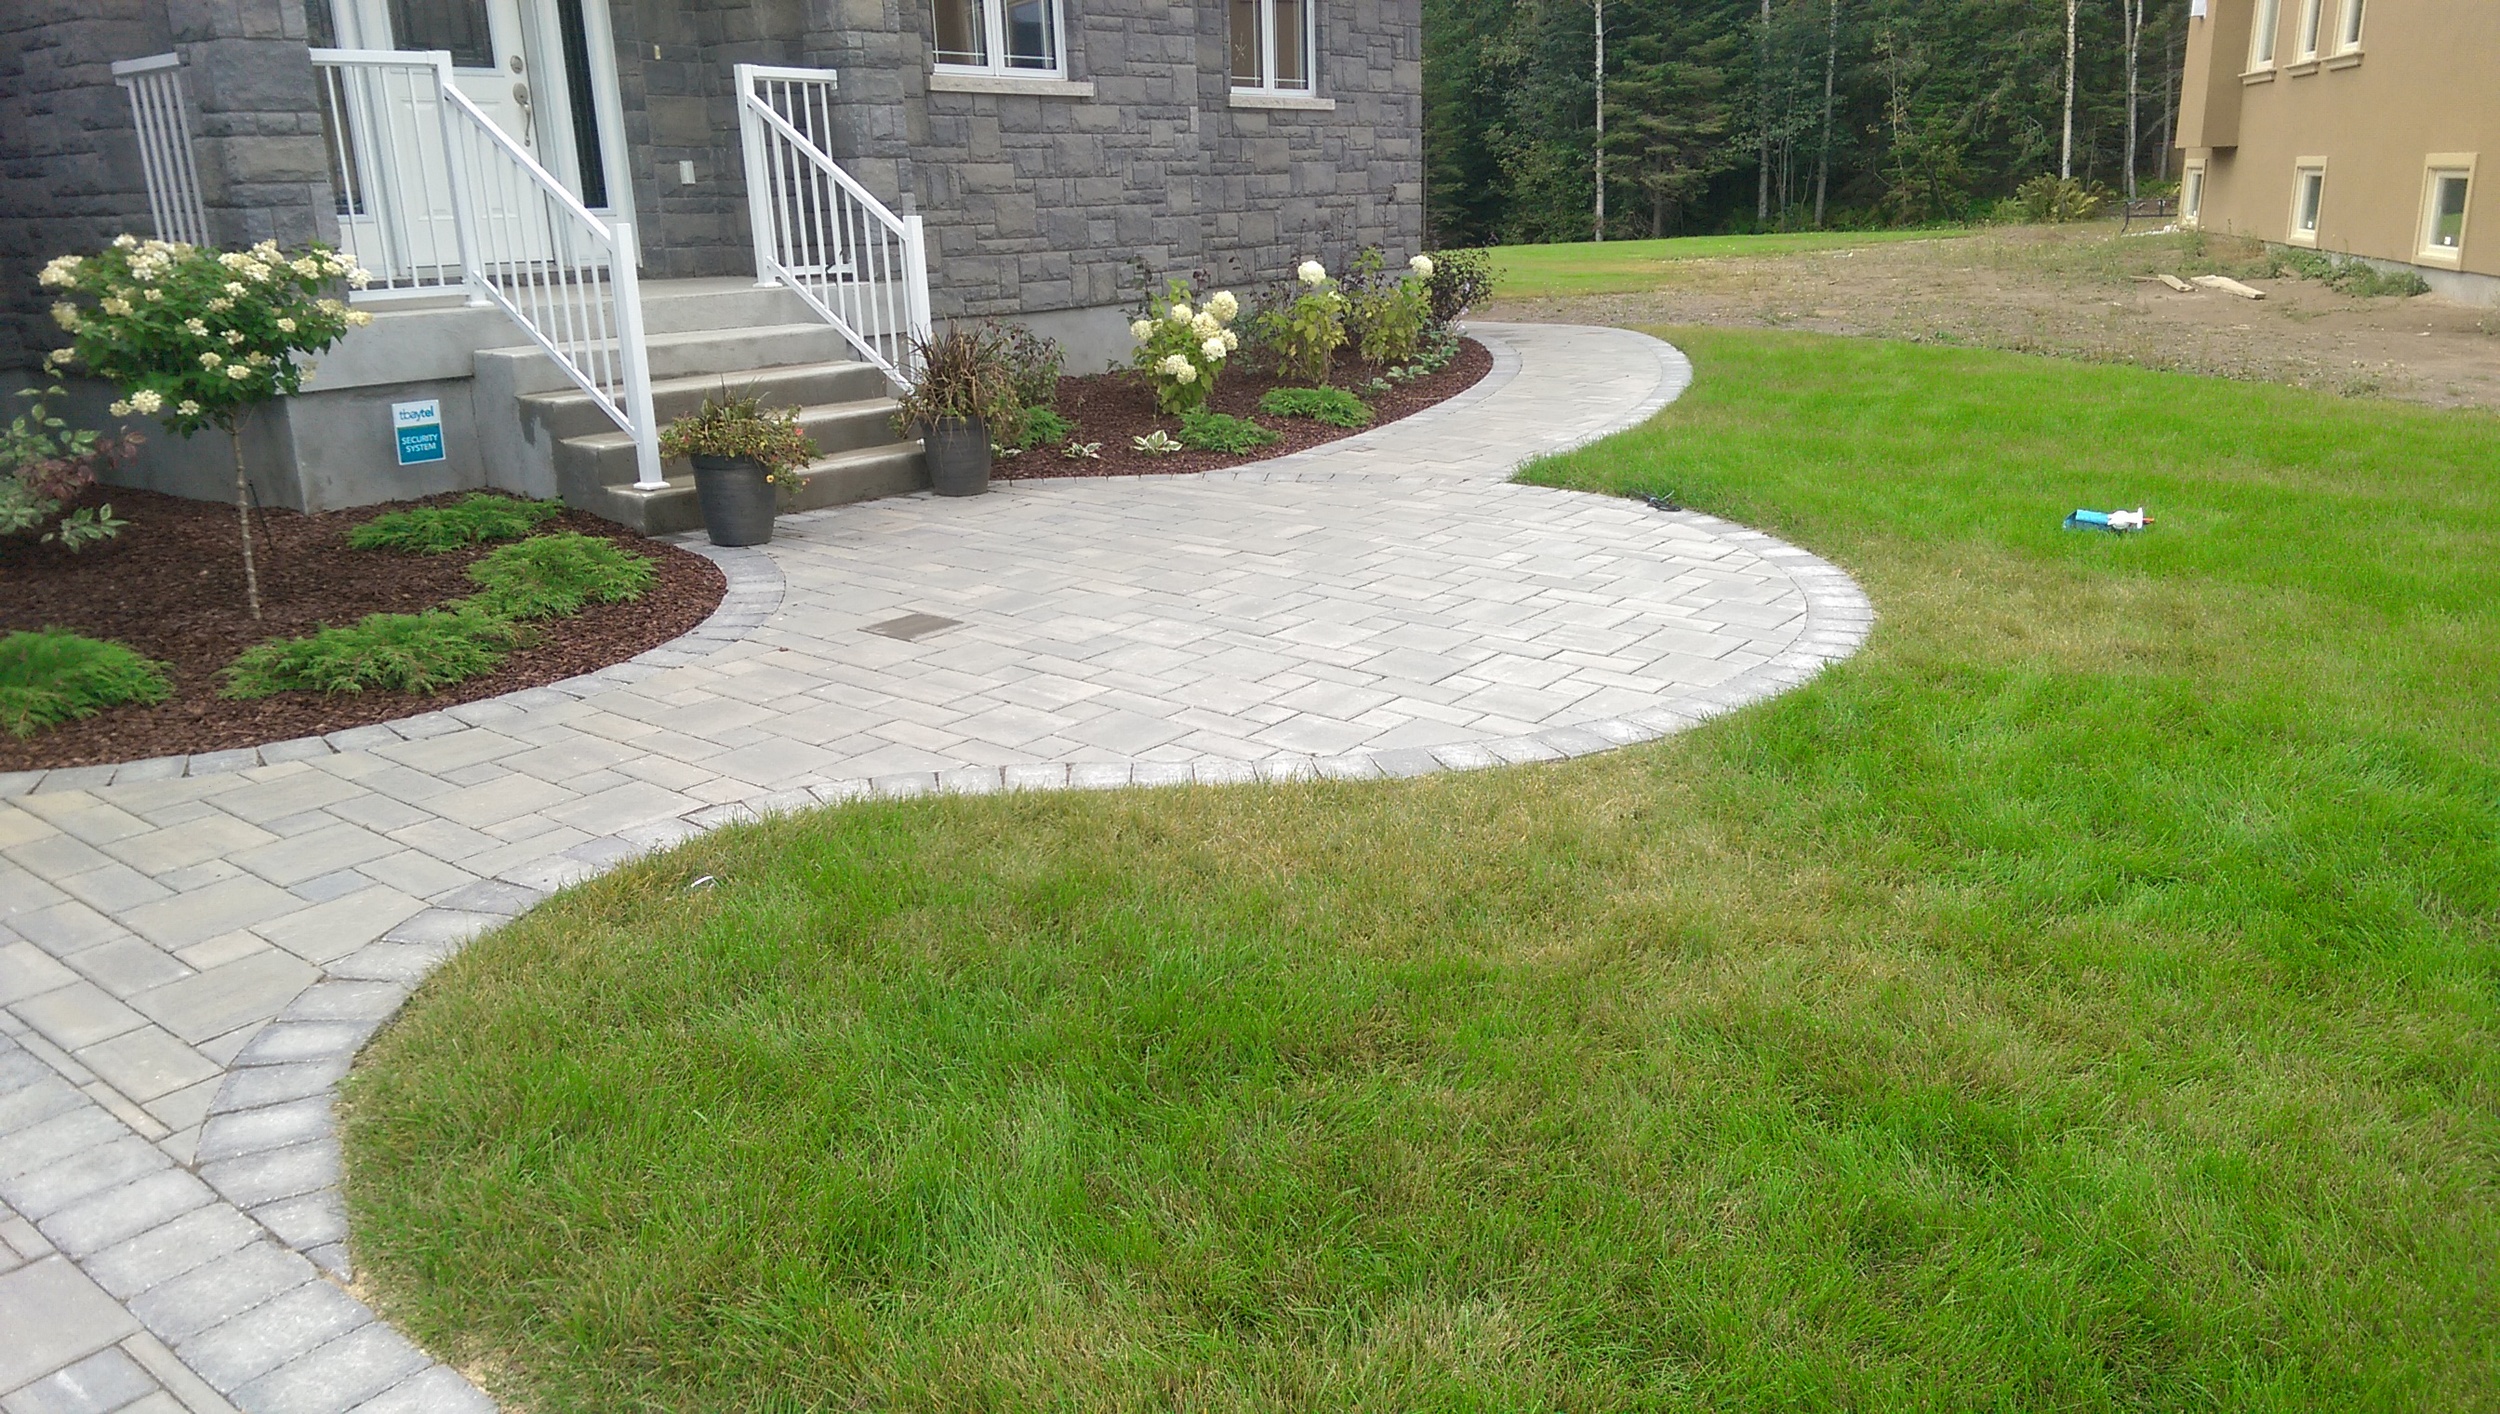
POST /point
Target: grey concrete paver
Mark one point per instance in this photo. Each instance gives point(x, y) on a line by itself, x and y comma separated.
point(191, 950)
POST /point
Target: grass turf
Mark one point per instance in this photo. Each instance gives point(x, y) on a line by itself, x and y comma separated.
point(1610, 267)
point(2082, 999)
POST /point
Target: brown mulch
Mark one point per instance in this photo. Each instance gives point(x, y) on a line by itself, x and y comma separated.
point(1111, 408)
point(171, 587)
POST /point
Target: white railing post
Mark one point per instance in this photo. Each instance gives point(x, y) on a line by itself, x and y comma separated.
point(456, 162)
point(759, 200)
point(635, 357)
point(915, 285)
point(162, 123)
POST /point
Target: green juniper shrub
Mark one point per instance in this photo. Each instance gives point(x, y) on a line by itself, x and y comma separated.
point(1223, 432)
point(1334, 406)
point(435, 530)
point(424, 652)
point(51, 676)
point(549, 576)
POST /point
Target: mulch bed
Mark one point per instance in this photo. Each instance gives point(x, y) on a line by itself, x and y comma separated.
point(171, 587)
point(1111, 408)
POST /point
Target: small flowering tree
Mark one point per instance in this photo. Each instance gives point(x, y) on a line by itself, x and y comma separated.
point(1183, 348)
point(198, 338)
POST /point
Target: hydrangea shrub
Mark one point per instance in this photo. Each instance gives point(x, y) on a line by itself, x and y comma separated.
point(1182, 345)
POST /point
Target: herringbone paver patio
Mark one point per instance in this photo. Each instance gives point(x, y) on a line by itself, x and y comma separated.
point(191, 950)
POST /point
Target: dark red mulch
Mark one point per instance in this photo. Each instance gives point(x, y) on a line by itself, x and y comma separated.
point(171, 587)
point(1111, 408)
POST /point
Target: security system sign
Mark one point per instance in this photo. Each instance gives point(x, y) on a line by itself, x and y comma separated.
point(419, 427)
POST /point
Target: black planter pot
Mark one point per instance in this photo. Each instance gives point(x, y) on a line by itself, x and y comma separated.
point(959, 455)
point(737, 501)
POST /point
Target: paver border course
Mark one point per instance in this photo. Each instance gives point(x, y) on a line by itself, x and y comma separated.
point(250, 1292)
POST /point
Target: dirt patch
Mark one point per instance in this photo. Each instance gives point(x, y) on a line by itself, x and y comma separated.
point(171, 587)
point(2084, 292)
point(1112, 408)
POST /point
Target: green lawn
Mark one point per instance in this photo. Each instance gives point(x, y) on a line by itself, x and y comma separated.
point(1610, 267)
point(2083, 999)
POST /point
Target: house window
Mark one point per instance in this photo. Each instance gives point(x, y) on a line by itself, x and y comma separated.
point(2261, 36)
point(460, 26)
point(2192, 194)
point(2308, 198)
point(1018, 37)
point(2312, 27)
point(2348, 36)
point(2445, 192)
point(1272, 44)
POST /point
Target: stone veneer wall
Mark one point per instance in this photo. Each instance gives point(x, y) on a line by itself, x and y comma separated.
point(69, 162)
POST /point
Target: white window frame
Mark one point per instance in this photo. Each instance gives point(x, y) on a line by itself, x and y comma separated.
point(2348, 27)
point(2302, 170)
point(1268, 67)
point(993, 16)
point(2434, 167)
point(2265, 36)
point(2310, 41)
point(2192, 194)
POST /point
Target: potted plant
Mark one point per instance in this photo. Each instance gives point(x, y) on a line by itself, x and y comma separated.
point(742, 452)
point(961, 386)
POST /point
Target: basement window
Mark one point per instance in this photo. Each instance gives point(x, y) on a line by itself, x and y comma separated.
point(1272, 43)
point(2308, 200)
point(1004, 38)
point(2447, 187)
point(2192, 194)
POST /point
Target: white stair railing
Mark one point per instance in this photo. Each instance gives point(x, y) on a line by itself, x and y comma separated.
point(164, 126)
point(434, 194)
point(818, 232)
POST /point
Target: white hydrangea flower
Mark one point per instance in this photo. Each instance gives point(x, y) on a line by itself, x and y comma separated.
point(1421, 265)
point(1180, 312)
point(329, 306)
point(118, 408)
point(234, 288)
point(118, 308)
point(198, 328)
point(238, 372)
point(65, 314)
point(147, 400)
point(125, 241)
point(211, 360)
point(153, 295)
point(286, 326)
point(1142, 330)
point(233, 259)
point(307, 267)
point(359, 277)
point(1224, 306)
point(233, 337)
point(187, 408)
point(256, 359)
point(1214, 348)
point(357, 319)
point(60, 271)
point(1176, 365)
point(1206, 325)
point(1311, 272)
point(1232, 341)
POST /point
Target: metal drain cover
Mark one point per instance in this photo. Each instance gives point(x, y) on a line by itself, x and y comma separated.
point(912, 626)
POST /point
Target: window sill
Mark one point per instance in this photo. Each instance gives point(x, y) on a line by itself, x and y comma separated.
point(2441, 258)
point(1038, 86)
point(2306, 240)
point(2345, 61)
point(1273, 98)
point(2305, 66)
point(2257, 76)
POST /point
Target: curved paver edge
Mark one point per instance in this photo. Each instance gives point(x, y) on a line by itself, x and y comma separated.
point(270, 1144)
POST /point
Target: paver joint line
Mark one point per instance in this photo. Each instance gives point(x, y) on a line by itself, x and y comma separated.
point(1384, 606)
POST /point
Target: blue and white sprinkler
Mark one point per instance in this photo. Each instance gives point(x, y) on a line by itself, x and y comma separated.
point(2109, 520)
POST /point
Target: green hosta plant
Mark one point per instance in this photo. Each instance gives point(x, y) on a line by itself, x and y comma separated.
point(198, 338)
point(1307, 332)
point(1182, 346)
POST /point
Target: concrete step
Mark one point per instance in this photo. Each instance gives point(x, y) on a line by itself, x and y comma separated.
point(607, 458)
point(569, 412)
point(520, 370)
point(416, 340)
point(893, 470)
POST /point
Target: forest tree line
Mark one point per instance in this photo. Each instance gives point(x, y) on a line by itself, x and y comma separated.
point(1748, 115)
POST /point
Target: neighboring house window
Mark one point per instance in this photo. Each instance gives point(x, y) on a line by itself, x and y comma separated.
point(2261, 37)
point(2312, 27)
point(1018, 37)
point(2348, 37)
point(2308, 199)
point(2192, 194)
point(1272, 44)
point(2450, 182)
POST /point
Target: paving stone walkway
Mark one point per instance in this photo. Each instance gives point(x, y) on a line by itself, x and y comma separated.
point(192, 949)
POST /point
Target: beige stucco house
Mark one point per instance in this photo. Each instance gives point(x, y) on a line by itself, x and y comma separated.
point(2360, 127)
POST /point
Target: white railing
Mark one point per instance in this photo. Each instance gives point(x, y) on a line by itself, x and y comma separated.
point(818, 232)
point(164, 125)
point(433, 195)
